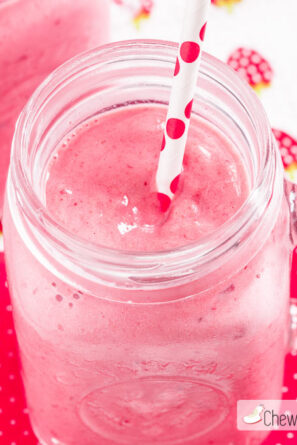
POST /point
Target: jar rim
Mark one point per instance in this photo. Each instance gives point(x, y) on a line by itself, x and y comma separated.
point(181, 258)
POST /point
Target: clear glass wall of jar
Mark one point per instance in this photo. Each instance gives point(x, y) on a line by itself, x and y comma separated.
point(157, 347)
point(36, 37)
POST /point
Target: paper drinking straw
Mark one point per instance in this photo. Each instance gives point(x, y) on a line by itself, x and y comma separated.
point(181, 100)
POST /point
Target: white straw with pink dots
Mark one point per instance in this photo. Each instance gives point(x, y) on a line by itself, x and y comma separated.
point(181, 101)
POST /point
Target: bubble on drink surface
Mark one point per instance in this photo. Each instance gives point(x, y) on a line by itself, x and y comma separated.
point(142, 214)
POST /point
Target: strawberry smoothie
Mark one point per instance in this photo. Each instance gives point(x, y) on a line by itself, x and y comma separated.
point(101, 183)
point(147, 362)
point(35, 37)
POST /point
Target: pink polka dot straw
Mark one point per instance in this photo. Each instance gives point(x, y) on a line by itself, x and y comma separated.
point(181, 101)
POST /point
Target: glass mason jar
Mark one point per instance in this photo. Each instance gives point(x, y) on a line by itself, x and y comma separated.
point(36, 37)
point(125, 348)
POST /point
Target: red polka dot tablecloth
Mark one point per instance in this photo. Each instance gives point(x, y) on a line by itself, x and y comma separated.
point(15, 427)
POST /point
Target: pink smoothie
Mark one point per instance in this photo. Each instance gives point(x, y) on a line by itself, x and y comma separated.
point(35, 37)
point(102, 365)
point(101, 183)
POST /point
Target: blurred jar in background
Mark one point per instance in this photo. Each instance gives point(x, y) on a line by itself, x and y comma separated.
point(35, 37)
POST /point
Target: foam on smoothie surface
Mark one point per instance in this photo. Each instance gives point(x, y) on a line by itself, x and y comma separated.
point(101, 182)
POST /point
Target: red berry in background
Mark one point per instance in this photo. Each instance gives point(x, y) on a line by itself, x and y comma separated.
point(227, 3)
point(144, 11)
point(139, 8)
point(288, 149)
point(147, 6)
point(252, 66)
